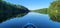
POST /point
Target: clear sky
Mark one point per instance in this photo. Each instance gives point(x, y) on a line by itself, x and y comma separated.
point(32, 4)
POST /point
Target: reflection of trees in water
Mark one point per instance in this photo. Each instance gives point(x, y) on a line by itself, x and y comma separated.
point(8, 11)
point(55, 17)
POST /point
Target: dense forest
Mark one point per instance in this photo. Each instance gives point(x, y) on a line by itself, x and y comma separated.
point(9, 10)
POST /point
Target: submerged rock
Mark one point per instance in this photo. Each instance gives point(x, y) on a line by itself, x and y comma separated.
point(8, 11)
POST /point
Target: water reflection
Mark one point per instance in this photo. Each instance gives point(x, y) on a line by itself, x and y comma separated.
point(55, 17)
point(20, 15)
point(38, 20)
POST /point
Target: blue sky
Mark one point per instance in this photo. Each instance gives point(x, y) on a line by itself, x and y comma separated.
point(32, 4)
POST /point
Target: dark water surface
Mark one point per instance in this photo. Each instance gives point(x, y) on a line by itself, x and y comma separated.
point(39, 21)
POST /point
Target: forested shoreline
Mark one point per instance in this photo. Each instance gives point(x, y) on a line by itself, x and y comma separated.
point(53, 10)
point(9, 10)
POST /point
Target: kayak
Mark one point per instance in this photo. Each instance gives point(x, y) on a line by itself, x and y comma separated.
point(29, 25)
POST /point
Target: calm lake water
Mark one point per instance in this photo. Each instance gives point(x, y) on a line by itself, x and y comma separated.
point(39, 20)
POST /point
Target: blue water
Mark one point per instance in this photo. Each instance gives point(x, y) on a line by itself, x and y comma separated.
point(39, 21)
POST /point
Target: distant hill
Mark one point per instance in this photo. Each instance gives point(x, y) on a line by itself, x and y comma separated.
point(43, 11)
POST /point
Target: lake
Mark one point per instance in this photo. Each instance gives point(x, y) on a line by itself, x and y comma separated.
point(37, 19)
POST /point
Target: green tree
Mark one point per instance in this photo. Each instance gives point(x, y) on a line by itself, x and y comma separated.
point(54, 10)
point(43, 10)
point(8, 10)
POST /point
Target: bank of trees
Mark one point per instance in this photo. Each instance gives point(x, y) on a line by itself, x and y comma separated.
point(43, 11)
point(53, 10)
point(9, 10)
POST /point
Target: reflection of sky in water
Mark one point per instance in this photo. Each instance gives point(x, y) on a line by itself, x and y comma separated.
point(39, 20)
